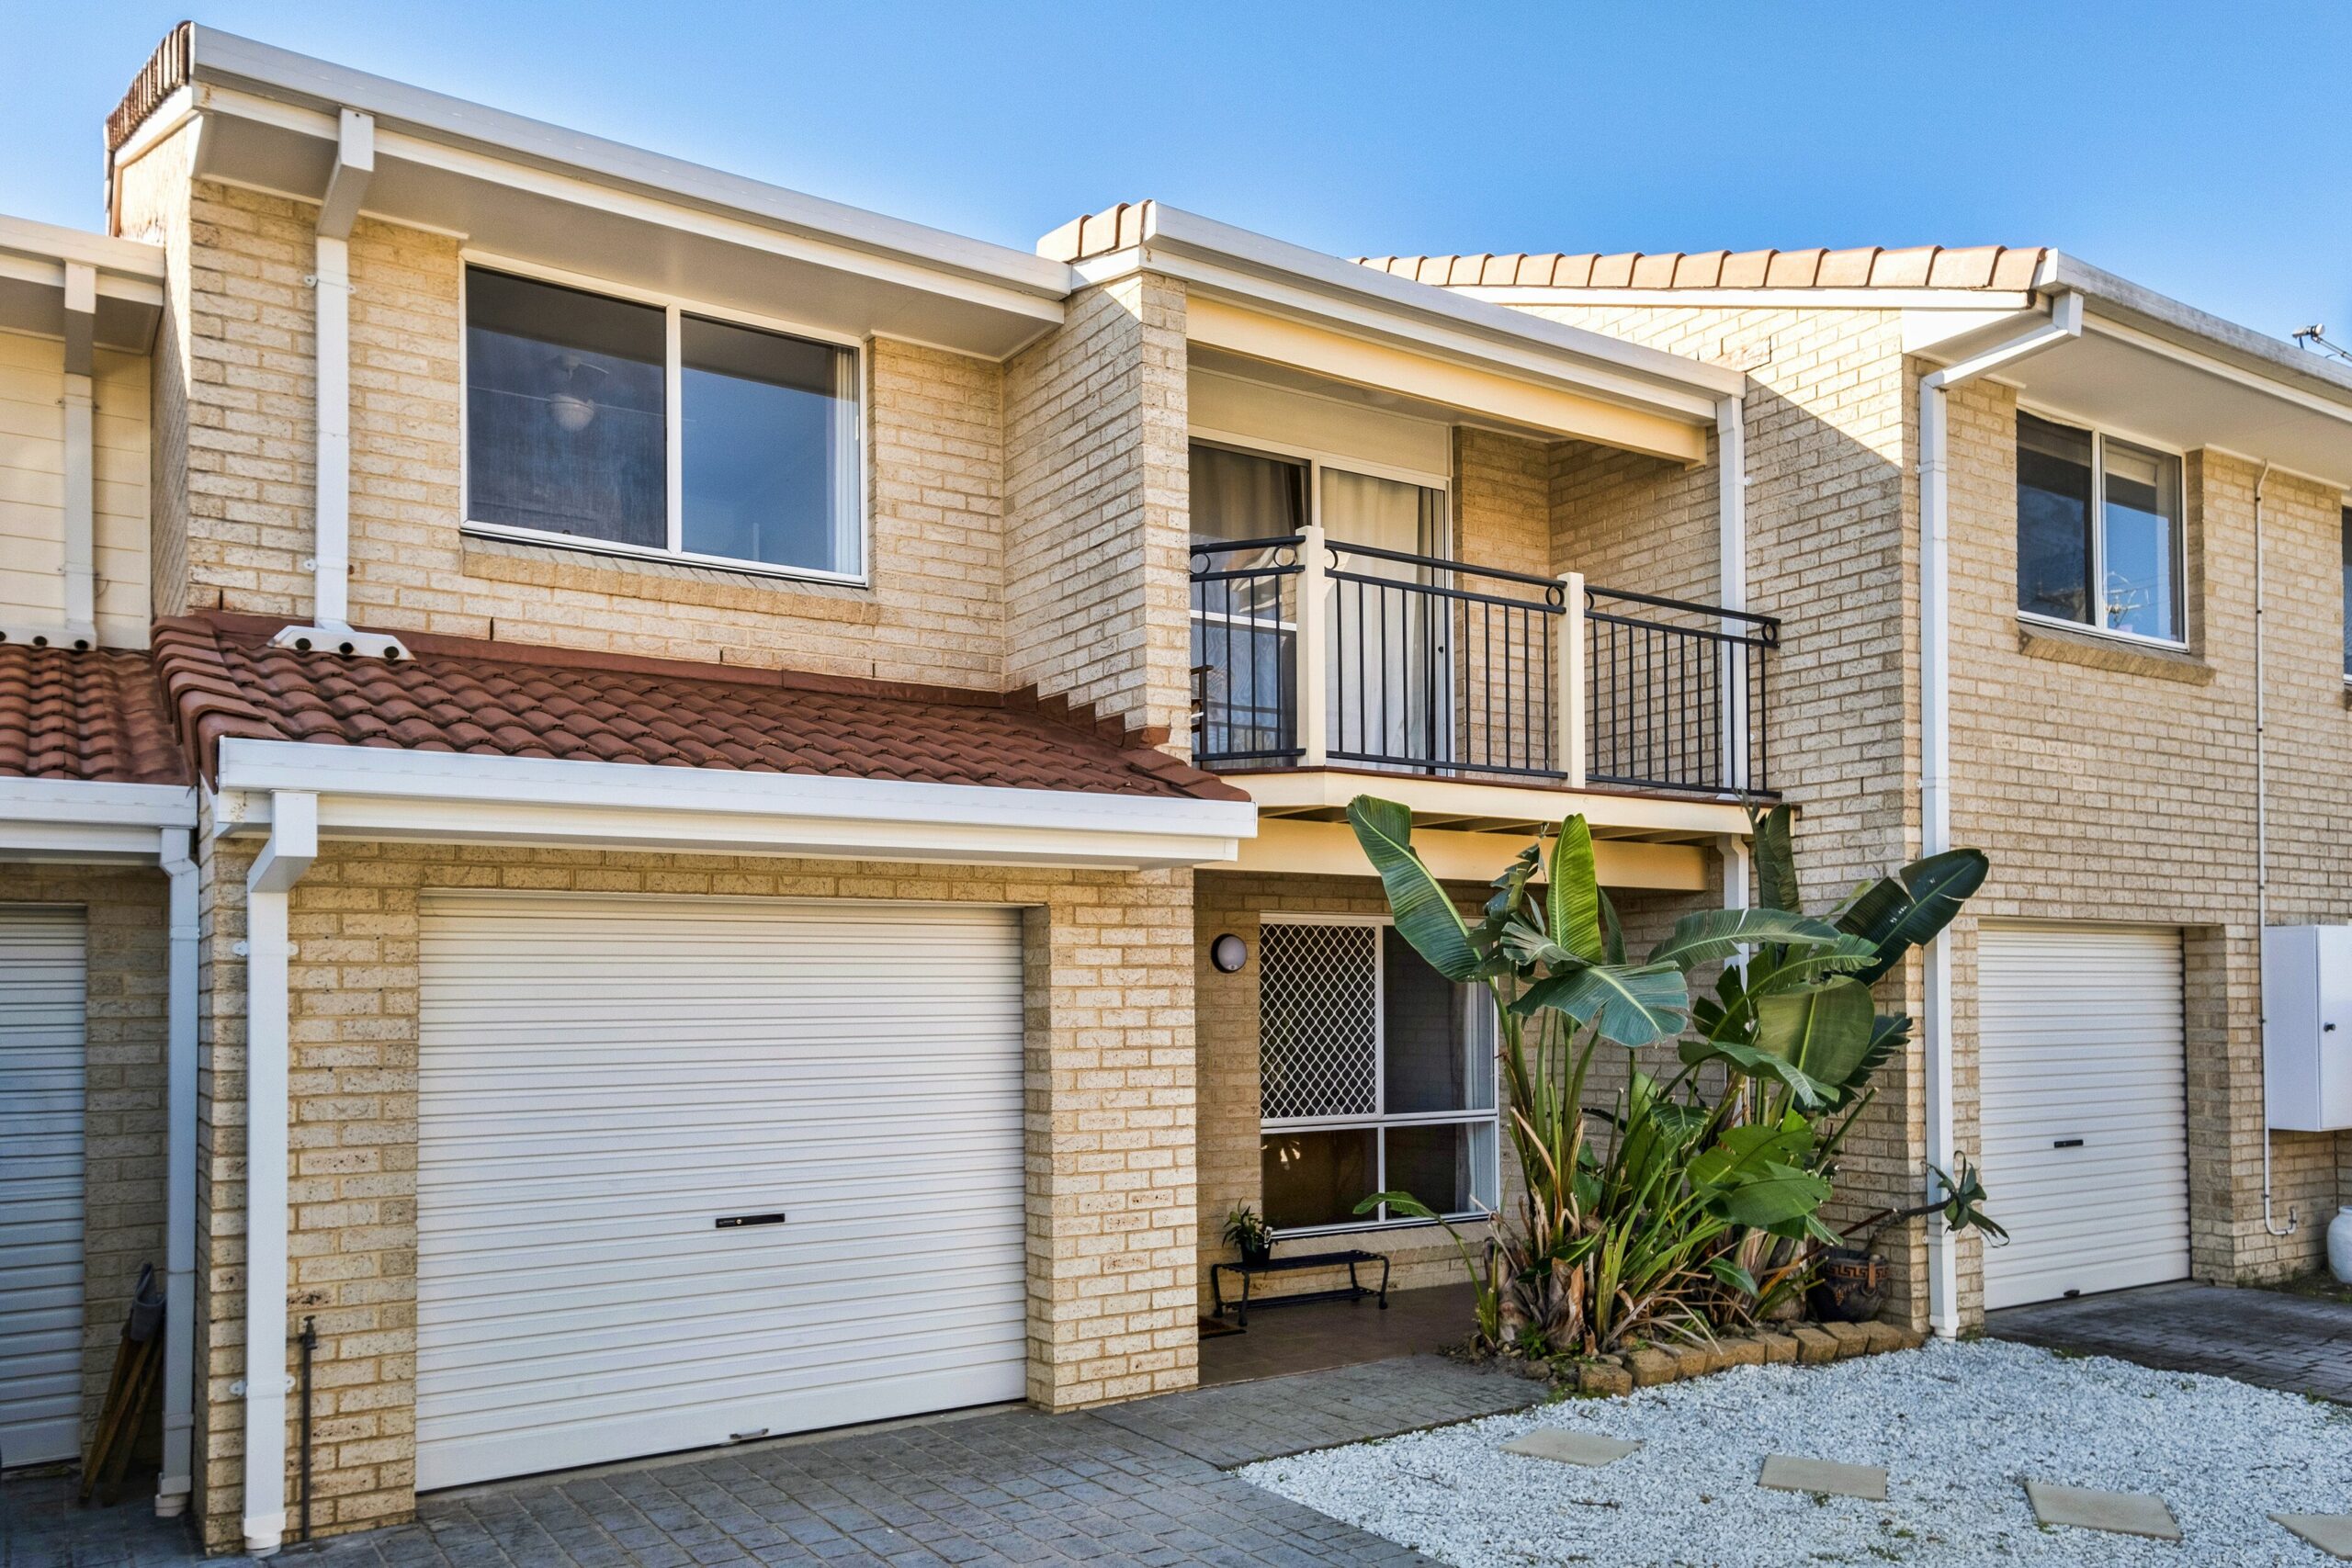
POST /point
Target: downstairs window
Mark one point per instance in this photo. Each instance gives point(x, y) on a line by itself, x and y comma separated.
point(1375, 1074)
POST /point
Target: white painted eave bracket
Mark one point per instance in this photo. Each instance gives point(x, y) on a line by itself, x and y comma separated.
point(455, 799)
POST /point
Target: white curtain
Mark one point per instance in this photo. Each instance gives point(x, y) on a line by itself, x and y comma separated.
point(1391, 663)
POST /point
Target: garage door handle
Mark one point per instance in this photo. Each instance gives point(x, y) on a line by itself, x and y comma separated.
point(2054, 1143)
point(737, 1222)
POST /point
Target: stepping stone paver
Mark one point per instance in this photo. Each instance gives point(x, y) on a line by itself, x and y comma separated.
point(1592, 1449)
point(1787, 1473)
point(2118, 1513)
point(2332, 1533)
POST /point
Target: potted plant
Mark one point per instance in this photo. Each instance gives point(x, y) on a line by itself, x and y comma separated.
point(1849, 1285)
point(1248, 1230)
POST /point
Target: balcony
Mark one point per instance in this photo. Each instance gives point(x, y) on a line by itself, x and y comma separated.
point(1314, 655)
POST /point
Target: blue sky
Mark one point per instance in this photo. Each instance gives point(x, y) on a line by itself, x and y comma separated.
point(2201, 151)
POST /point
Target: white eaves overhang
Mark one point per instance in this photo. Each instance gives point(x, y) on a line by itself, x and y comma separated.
point(70, 819)
point(2149, 366)
point(1284, 304)
point(454, 797)
point(537, 193)
point(125, 281)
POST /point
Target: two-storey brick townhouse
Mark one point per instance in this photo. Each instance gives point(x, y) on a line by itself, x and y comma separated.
point(675, 812)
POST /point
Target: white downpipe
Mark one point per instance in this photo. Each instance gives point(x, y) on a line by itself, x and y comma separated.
point(2262, 849)
point(293, 844)
point(1935, 748)
point(179, 1205)
point(331, 560)
point(80, 463)
point(1731, 514)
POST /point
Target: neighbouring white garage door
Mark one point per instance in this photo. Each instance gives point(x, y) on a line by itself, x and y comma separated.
point(692, 1170)
point(41, 1018)
point(2083, 1107)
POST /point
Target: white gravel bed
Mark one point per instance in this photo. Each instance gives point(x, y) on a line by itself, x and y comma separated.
point(1958, 1428)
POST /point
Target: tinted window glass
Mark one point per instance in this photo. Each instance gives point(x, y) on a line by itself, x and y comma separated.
point(770, 447)
point(564, 419)
point(2140, 509)
point(2053, 519)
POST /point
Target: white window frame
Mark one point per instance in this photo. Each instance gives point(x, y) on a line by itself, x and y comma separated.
point(2100, 435)
point(1379, 1122)
point(674, 307)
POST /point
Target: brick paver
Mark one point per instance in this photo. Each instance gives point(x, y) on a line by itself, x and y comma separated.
point(2299, 1344)
point(1144, 1483)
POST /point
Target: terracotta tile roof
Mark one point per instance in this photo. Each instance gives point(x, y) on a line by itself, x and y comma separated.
point(95, 716)
point(2008, 267)
point(223, 680)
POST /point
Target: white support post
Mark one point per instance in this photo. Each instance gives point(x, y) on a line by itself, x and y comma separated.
point(293, 844)
point(1731, 513)
point(81, 467)
point(1313, 655)
point(1571, 700)
point(172, 1485)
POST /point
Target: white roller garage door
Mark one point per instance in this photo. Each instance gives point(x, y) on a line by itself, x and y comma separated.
point(41, 1023)
point(603, 1080)
point(2083, 1107)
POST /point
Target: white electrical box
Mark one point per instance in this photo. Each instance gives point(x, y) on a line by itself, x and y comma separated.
point(2307, 1027)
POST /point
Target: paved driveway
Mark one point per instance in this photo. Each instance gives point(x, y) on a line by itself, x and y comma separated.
point(2301, 1344)
point(1144, 1483)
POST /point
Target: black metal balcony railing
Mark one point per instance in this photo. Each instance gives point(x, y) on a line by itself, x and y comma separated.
point(1420, 664)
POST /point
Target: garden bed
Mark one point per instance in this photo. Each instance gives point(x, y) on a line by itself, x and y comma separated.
point(1958, 1428)
point(1798, 1343)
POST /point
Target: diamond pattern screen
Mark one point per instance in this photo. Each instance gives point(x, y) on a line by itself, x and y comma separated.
point(1319, 1047)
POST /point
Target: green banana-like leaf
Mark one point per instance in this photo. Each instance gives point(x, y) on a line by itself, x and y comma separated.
point(1729, 1272)
point(1572, 895)
point(1909, 909)
point(1775, 858)
point(1825, 1030)
point(1631, 1005)
point(1890, 1033)
point(1779, 1196)
point(1757, 1063)
point(1510, 892)
point(1425, 916)
point(1846, 955)
point(1710, 936)
point(1613, 933)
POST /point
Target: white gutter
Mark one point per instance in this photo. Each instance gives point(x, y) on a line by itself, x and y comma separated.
point(293, 845)
point(447, 796)
point(67, 819)
point(81, 465)
point(2066, 322)
point(179, 1161)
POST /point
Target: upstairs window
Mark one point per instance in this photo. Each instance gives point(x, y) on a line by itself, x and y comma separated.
point(2098, 531)
point(647, 429)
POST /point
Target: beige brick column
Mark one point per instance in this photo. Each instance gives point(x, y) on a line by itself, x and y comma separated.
point(1111, 1091)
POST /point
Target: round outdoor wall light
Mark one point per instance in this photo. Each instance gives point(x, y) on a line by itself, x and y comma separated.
point(1229, 953)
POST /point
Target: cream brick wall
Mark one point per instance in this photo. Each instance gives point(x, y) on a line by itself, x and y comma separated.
point(1110, 1091)
point(1098, 479)
point(1832, 551)
point(241, 411)
point(2118, 785)
point(124, 1092)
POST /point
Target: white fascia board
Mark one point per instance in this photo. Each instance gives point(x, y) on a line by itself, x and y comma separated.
point(2119, 301)
point(79, 802)
point(229, 60)
point(54, 243)
point(455, 796)
point(1254, 266)
point(67, 819)
point(1778, 298)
